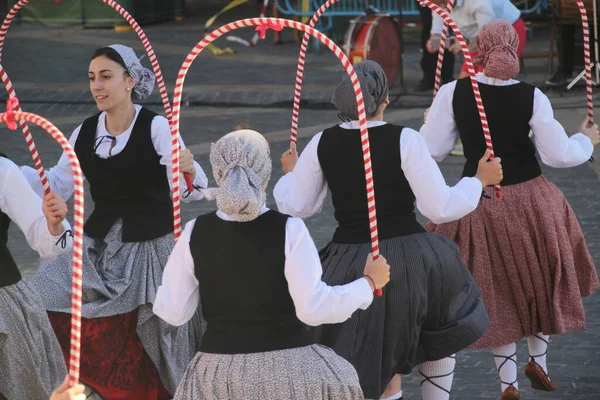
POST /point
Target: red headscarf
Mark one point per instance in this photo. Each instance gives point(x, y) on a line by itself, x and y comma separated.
point(497, 45)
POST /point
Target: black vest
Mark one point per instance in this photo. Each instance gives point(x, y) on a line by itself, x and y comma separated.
point(243, 290)
point(341, 158)
point(509, 110)
point(131, 185)
point(9, 273)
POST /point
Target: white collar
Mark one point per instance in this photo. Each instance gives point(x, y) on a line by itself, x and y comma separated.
point(494, 81)
point(356, 124)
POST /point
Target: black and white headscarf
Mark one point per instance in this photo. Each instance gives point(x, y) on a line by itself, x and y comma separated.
point(373, 83)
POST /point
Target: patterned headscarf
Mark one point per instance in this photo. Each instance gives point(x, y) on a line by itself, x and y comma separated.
point(143, 77)
point(373, 83)
point(241, 163)
point(497, 45)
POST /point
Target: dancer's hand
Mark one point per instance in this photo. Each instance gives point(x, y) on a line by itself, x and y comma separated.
point(378, 271)
point(55, 211)
point(489, 172)
point(64, 392)
point(454, 46)
point(186, 163)
point(289, 159)
point(590, 131)
point(433, 44)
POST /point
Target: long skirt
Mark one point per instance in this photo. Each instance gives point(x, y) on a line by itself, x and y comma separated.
point(303, 373)
point(31, 362)
point(127, 351)
point(429, 310)
point(529, 259)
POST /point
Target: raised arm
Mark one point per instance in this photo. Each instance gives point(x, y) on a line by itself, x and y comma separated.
point(436, 200)
point(24, 207)
point(301, 192)
point(178, 295)
point(161, 137)
point(60, 177)
point(439, 130)
point(553, 145)
point(317, 303)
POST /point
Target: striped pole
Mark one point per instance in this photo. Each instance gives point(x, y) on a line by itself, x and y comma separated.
point(278, 23)
point(9, 118)
point(475, 85)
point(441, 50)
point(587, 60)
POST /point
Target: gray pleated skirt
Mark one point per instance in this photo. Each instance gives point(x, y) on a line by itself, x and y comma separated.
point(31, 361)
point(429, 310)
point(303, 373)
point(119, 278)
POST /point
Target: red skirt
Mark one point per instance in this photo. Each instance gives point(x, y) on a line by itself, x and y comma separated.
point(519, 26)
point(113, 360)
point(529, 259)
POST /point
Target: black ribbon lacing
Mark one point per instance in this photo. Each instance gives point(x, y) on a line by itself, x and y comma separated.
point(100, 139)
point(62, 240)
point(429, 378)
point(539, 355)
point(502, 365)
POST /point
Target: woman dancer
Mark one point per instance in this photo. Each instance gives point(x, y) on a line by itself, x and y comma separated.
point(431, 308)
point(30, 356)
point(526, 251)
point(257, 274)
point(472, 15)
point(125, 155)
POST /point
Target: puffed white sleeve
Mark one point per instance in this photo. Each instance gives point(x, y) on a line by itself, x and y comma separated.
point(317, 303)
point(161, 138)
point(178, 295)
point(553, 145)
point(60, 177)
point(439, 130)
point(24, 207)
point(301, 193)
point(436, 200)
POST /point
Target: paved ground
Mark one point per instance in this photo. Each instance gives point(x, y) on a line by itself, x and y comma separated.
point(255, 86)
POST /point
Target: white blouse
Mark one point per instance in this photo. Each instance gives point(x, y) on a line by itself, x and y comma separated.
point(24, 207)
point(60, 177)
point(301, 193)
point(555, 148)
point(316, 303)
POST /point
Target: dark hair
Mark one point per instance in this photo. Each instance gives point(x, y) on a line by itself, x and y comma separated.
point(111, 54)
point(242, 125)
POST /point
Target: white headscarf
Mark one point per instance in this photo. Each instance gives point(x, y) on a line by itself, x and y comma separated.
point(143, 77)
point(241, 163)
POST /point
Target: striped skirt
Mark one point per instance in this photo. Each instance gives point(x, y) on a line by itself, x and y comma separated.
point(429, 310)
point(120, 281)
point(303, 373)
point(31, 362)
point(530, 260)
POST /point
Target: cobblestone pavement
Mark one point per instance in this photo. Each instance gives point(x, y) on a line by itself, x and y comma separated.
point(255, 86)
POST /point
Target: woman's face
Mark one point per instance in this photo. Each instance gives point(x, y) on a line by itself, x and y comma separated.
point(109, 84)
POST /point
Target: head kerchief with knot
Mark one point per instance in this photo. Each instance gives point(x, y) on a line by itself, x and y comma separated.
point(373, 83)
point(497, 45)
point(143, 77)
point(241, 163)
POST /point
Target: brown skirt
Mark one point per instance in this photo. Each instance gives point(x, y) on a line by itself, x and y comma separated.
point(529, 258)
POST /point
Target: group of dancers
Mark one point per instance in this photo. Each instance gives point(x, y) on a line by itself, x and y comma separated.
point(244, 306)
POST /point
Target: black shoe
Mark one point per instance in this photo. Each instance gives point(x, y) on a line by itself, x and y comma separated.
point(559, 79)
point(424, 86)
